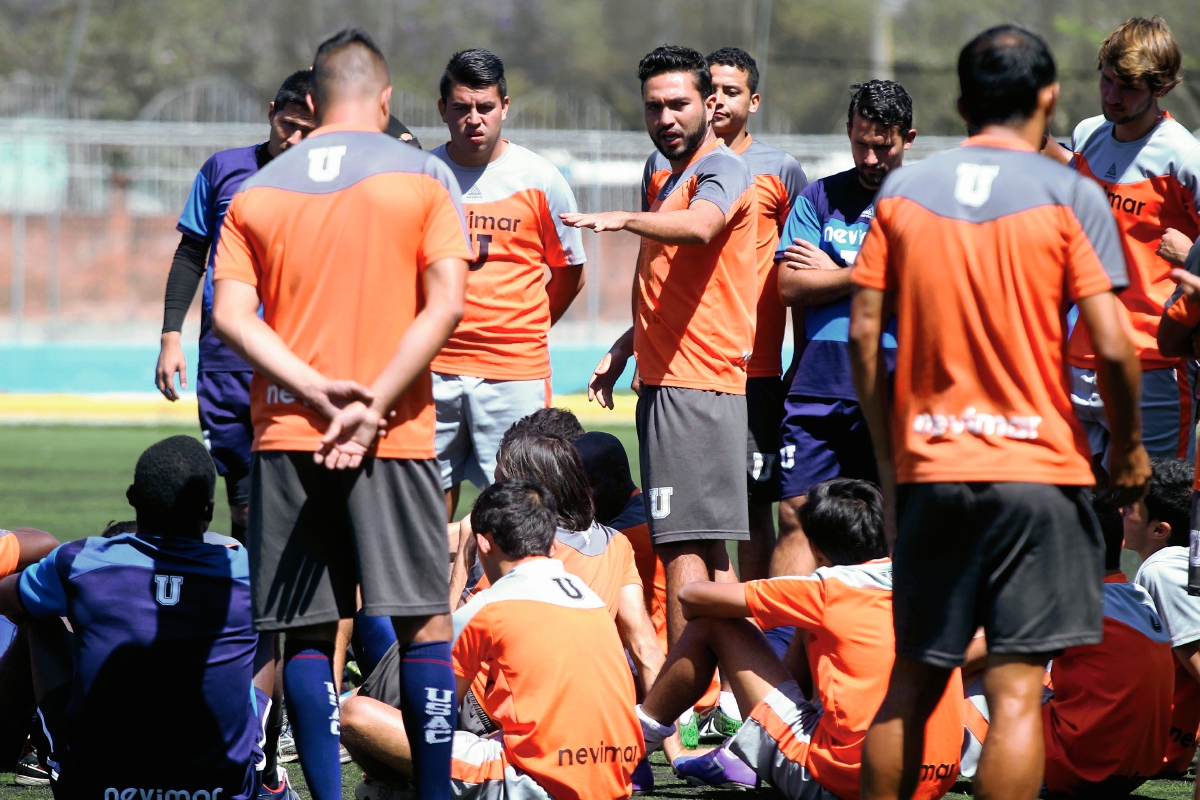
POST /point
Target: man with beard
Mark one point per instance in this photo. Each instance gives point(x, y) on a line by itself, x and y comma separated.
point(694, 300)
point(1149, 167)
point(824, 434)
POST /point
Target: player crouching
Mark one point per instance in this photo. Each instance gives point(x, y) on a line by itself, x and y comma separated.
point(562, 691)
point(807, 748)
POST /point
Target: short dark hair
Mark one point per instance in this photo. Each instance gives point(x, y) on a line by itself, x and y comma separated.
point(1112, 528)
point(294, 89)
point(844, 519)
point(674, 58)
point(882, 102)
point(323, 73)
point(551, 461)
point(606, 465)
point(173, 483)
point(1000, 73)
point(476, 68)
point(739, 59)
point(114, 528)
point(552, 421)
point(520, 516)
point(1169, 496)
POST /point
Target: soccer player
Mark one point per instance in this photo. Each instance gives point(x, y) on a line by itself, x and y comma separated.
point(778, 178)
point(1156, 528)
point(222, 377)
point(1149, 167)
point(694, 299)
point(496, 367)
point(824, 434)
point(348, 226)
point(806, 741)
point(995, 527)
point(565, 708)
point(168, 610)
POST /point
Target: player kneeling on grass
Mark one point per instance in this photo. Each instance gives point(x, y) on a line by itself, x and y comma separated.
point(806, 741)
point(165, 609)
point(561, 690)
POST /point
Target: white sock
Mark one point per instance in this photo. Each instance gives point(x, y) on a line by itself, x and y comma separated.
point(653, 731)
point(729, 706)
point(686, 717)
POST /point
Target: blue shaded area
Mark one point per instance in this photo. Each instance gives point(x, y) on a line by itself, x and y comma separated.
point(94, 368)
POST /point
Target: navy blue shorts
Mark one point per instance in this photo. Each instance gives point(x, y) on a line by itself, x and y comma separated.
point(224, 400)
point(823, 439)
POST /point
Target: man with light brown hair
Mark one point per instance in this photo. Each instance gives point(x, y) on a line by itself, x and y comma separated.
point(1149, 167)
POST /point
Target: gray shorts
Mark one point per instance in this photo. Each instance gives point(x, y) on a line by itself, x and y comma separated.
point(315, 535)
point(783, 763)
point(693, 451)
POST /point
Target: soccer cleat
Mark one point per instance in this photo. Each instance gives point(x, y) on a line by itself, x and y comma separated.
point(689, 733)
point(29, 772)
point(285, 750)
point(343, 755)
point(283, 791)
point(717, 768)
point(716, 727)
point(370, 789)
point(643, 777)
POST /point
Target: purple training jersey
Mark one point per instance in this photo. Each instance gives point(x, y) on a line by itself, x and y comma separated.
point(215, 185)
point(161, 699)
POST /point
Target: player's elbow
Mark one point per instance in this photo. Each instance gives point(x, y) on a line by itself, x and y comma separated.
point(1174, 339)
point(35, 545)
point(1113, 346)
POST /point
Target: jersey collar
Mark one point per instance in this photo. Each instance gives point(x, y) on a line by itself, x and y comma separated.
point(1001, 142)
point(341, 127)
point(745, 145)
point(1116, 577)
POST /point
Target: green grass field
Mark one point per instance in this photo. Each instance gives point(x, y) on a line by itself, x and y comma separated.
point(71, 480)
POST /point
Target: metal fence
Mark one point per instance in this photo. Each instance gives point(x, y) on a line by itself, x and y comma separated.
point(88, 211)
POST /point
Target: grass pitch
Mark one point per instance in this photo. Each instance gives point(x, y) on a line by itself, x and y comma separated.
point(71, 480)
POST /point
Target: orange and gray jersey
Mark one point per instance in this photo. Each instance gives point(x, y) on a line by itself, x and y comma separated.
point(1151, 184)
point(512, 208)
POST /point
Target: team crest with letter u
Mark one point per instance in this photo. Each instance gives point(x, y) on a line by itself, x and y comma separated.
point(660, 502)
point(167, 588)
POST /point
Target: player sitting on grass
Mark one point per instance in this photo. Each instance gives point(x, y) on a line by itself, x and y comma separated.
point(168, 608)
point(1106, 722)
point(560, 689)
point(808, 747)
point(1156, 528)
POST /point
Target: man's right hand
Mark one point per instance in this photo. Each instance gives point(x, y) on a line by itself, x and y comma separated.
point(330, 397)
point(1128, 474)
point(171, 361)
point(606, 375)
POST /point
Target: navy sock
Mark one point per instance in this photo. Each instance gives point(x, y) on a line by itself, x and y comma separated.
point(428, 702)
point(312, 707)
point(372, 638)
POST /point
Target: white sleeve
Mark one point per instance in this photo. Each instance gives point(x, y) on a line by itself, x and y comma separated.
point(1166, 580)
point(561, 200)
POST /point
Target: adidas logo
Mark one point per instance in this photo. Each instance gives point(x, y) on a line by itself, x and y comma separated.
point(1112, 172)
point(473, 193)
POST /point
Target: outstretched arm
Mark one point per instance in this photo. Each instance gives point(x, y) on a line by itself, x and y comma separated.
point(711, 599)
point(696, 225)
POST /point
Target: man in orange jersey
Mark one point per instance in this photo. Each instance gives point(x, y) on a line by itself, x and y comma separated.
point(1156, 528)
point(1149, 167)
point(778, 179)
point(496, 367)
point(1107, 717)
point(694, 299)
point(354, 245)
point(995, 527)
point(566, 705)
point(806, 741)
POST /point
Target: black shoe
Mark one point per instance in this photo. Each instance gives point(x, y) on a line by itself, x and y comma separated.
point(29, 772)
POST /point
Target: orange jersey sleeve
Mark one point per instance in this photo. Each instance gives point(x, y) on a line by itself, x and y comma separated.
point(10, 553)
point(776, 602)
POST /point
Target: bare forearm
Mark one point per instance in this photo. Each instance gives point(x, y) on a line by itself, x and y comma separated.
point(710, 599)
point(685, 227)
point(648, 658)
point(261, 347)
point(10, 596)
point(813, 287)
point(866, 327)
point(419, 344)
point(1119, 378)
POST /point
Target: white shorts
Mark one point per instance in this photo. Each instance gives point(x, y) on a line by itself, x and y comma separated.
point(479, 770)
point(774, 741)
point(472, 416)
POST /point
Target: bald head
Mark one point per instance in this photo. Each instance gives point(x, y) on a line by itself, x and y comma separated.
point(348, 68)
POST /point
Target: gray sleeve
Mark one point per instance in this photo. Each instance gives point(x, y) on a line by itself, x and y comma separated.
point(437, 169)
point(1096, 219)
point(1166, 581)
point(647, 173)
point(721, 181)
point(794, 179)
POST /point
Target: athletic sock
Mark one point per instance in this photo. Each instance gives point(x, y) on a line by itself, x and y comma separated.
point(653, 731)
point(729, 706)
point(262, 709)
point(312, 704)
point(427, 698)
point(372, 638)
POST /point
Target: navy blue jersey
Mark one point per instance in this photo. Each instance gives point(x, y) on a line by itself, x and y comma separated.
point(215, 185)
point(833, 213)
point(162, 694)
